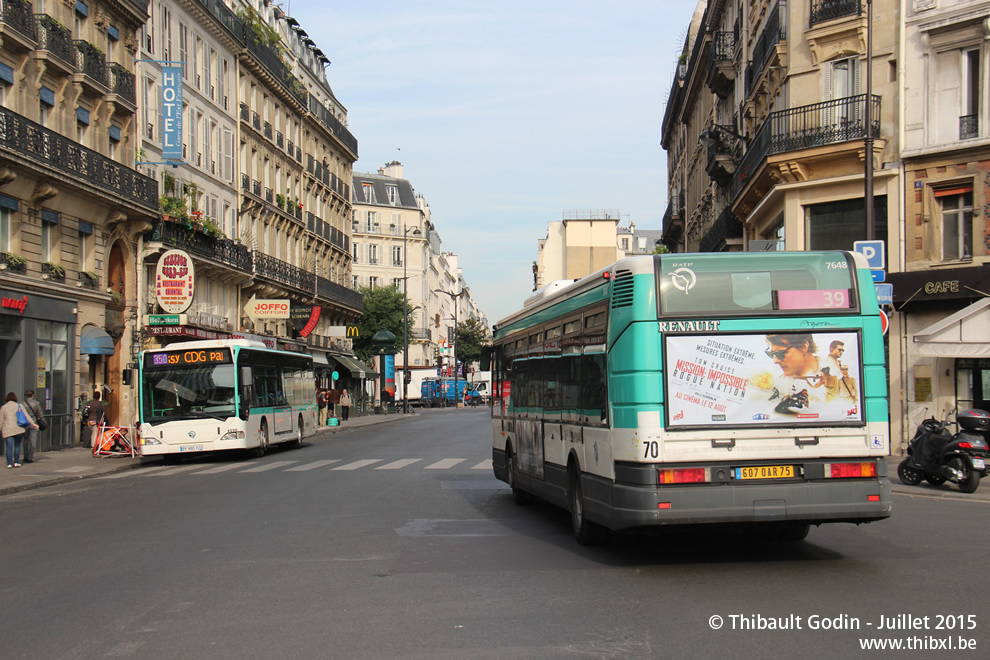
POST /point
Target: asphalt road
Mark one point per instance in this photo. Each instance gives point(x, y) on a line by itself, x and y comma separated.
point(397, 542)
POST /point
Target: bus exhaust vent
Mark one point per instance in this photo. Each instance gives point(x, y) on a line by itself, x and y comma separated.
point(622, 289)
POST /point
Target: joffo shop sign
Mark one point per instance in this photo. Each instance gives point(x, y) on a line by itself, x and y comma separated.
point(175, 282)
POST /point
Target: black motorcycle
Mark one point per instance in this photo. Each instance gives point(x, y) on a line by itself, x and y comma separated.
point(937, 456)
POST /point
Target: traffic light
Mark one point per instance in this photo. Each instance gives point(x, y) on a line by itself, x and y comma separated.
point(436, 355)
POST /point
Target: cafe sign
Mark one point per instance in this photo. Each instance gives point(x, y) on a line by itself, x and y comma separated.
point(175, 281)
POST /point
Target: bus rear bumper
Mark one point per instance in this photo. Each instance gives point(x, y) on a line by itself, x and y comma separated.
point(845, 500)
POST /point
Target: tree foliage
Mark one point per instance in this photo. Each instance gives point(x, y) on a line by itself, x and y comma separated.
point(471, 334)
point(382, 309)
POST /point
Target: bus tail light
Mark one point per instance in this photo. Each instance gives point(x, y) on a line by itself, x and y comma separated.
point(851, 470)
point(683, 476)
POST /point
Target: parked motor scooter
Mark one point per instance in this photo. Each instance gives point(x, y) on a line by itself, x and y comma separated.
point(937, 456)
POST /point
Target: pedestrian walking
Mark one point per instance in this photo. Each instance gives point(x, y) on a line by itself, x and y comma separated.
point(345, 405)
point(34, 410)
point(322, 399)
point(13, 429)
point(93, 415)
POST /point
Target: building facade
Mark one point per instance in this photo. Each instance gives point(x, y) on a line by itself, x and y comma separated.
point(72, 205)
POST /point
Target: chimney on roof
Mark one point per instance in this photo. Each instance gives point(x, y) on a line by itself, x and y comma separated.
point(393, 169)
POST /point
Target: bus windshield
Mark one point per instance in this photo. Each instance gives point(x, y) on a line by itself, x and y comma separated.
point(188, 392)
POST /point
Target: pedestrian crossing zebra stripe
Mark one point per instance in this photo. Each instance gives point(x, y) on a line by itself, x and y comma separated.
point(269, 466)
point(253, 467)
point(398, 465)
point(445, 464)
point(221, 468)
point(356, 465)
point(312, 466)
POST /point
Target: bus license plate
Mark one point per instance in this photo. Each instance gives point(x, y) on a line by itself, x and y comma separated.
point(191, 448)
point(765, 472)
point(978, 464)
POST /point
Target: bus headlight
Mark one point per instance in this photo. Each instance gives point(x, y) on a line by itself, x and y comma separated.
point(149, 440)
point(233, 435)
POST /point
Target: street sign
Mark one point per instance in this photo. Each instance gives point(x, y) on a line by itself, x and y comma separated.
point(884, 322)
point(879, 275)
point(874, 253)
point(885, 293)
point(267, 308)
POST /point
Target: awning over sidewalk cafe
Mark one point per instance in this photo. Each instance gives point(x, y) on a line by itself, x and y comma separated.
point(95, 341)
point(356, 369)
point(965, 334)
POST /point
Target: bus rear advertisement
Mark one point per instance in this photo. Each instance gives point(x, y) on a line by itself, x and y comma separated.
point(740, 388)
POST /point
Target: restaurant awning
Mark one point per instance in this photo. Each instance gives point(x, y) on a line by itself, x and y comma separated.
point(963, 334)
point(352, 365)
point(95, 341)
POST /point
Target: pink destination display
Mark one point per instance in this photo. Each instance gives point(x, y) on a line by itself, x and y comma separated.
point(813, 299)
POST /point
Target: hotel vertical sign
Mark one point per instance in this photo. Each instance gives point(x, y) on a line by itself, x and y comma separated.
point(172, 112)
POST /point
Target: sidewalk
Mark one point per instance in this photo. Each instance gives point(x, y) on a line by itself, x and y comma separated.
point(56, 467)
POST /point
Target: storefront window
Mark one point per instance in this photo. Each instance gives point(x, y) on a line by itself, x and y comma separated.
point(837, 225)
point(52, 385)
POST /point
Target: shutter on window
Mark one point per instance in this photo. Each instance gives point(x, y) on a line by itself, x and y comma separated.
point(228, 155)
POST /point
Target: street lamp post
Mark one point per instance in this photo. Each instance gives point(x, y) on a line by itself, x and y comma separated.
point(453, 299)
point(406, 376)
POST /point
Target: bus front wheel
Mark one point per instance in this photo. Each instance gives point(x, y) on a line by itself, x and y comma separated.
point(259, 451)
point(585, 531)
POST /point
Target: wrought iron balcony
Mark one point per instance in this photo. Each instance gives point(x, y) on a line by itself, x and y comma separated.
point(12, 263)
point(827, 10)
point(721, 67)
point(723, 154)
point(27, 139)
point(774, 32)
point(328, 290)
point(273, 63)
point(969, 127)
point(805, 127)
point(725, 228)
point(333, 124)
point(91, 62)
point(245, 182)
point(282, 272)
point(256, 188)
point(56, 39)
point(269, 195)
point(89, 280)
point(52, 272)
point(256, 121)
point(290, 148)
point(677, 205)
point(123, 83)
point(18, 15)
point(245, 112)
point(221, 250)
point(268, 130)
point(279, 140)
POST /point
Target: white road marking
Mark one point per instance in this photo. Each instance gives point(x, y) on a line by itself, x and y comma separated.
point(221, 468)
point(445, 464)
point(359, 464)
point(174, 470)
point(483, 465)
point(398, 465)
point(268, 466)
point(312, 466)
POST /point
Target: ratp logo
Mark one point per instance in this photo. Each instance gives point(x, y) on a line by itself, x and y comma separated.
point(192, 434)
point(683, 279)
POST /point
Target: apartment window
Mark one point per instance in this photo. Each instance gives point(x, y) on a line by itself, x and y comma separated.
point(46, 98)
point(397, 284)
point(396, 255)
point(969, 119)
point(149, 130)
point(166, 33)
point(356, 246)
point(836, 225)
point(197, 45)
point(373, 255)
point(369, 193)
point(372, 221)
point(372, 282)
point(354, 282)
point(625, 244)
point(49, 235)
point(956, 208)
point(393, 194)
point(85, 245)
point(183, 46)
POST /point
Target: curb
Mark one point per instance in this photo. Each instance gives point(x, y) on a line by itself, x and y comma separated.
point(56, 481)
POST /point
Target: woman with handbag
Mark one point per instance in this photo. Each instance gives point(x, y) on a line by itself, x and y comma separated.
point(13, 422)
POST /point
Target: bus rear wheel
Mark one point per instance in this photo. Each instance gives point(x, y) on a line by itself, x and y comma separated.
point(585, 531)
point(519, 496)
point(297, 441)
point(259, 451)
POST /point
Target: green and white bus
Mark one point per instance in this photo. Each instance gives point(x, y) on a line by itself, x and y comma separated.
point(740, 388)
point(204, 396)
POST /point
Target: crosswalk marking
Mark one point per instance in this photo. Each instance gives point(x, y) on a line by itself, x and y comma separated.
point(483, 465)
point(445, 464)
point(221, 468)
point(172, 470)
point(312, 466)
point(397, 465)
point(359, 464)
point(269, 466)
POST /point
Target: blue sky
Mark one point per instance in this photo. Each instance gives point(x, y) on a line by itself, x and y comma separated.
point(504, 114)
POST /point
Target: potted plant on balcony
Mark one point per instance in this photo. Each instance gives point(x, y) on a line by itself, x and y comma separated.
point(53, 271)
point(14, 262)
point(280, 200)
point(173, 209)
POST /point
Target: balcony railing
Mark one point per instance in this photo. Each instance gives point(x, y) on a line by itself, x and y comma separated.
point(18, 15)
point(725, 227)
point(91, 61)
point(222, 250)
point(773, 33)
point(827, 10)
point(256, 121)
point(285, 273)
point(256, 188)
point(245, 112)
point(275, 66)
point(56, 39)
point(122, 83)
point(26, 138)
point(269, 195)
point(279, 140)
point(332, 291)
point(838, 120)
point(338, 129)
point(969, 127)
point(723, 46)
point(268, 130)
point(245, 182)
point(89, 280)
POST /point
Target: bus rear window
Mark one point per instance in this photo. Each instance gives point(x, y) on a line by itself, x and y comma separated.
point(742, 284)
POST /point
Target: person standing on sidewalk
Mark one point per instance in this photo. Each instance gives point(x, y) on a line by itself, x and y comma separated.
point(33, 409)
point(345, 405)
point(321, 402)
point(93, 415)
point(13, 433)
